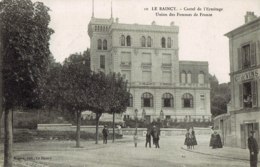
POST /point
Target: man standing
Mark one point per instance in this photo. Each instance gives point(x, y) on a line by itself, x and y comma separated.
point(253, 149)
point(105, 134)
point(148, 138)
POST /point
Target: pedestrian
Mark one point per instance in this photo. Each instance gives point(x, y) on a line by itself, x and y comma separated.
point(135, 138)
point(148, 138)
point(193, 138)
point(187, 140)
point(215, 140)
point(156, 136)
point(253, 149)
point(105, 133)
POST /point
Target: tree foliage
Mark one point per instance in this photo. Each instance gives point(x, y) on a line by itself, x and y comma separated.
point(220, 96)
point(26, 38)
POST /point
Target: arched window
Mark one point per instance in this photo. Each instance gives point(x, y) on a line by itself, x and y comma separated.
point(122, 40)
point(149, 41)
point(128, 40)
point(169, 42)
point(130, 101)
point(99, 44)
point(187, 100)
point(183, 77)
point(143, 41)
point(105, 44)
point(201, 78)
point(189, 77)
point(163, 42)
point(147, 100)
point(167, 100)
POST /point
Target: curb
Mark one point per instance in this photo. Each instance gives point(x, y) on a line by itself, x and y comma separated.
point(220, 156)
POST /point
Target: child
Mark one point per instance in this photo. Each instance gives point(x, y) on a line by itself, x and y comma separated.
point(135, 139)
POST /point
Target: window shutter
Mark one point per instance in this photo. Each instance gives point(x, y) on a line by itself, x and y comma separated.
point(254, 93)
point(239, 58)
point(253, 53)
point(241, 95)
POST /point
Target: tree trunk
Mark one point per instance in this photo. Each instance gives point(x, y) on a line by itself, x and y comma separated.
point(97, 126)
point(1, 78)
point(113, 127)
point(8, 141)
point(78, 129)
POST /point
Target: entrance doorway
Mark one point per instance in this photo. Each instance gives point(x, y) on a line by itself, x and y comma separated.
point(245, 130)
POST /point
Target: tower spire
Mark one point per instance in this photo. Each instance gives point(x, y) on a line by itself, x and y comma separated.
point(92, 8)
point(111, 9)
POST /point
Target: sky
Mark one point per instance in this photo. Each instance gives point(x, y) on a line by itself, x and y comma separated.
point(201, 38)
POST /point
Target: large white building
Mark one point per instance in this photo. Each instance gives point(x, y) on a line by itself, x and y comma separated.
point(147, 56)
point(243, 110)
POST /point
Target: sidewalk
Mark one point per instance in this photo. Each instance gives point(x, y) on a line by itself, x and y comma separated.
point(225, 152)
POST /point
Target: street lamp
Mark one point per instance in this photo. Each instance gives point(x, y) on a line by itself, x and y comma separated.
point(136, 112)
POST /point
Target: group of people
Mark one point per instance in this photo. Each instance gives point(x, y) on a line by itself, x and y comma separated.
point(152, 133)
point(190, 138)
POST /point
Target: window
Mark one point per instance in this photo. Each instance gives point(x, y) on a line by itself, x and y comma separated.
point(122, 40)
point(128, 40)
point(167, 100)
point(163, 42)
point(146, 58)
point(102, 61)
point(126, 75)
point(187, 100)
point(189, 77)
point(169, 42)
point(130, 101)
point(147, 100)
point(201, 78)
point(149, 41)
point(183, 77)
point(126, 58)
point(105, 44)
point(99, 44)
point(143, 41)
point(248, 94)
point(247, 56)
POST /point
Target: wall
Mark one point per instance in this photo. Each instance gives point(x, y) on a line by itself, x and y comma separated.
point(125, 131)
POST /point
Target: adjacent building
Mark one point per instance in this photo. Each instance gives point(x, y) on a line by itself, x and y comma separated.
point(243, 110)
point(161, 85)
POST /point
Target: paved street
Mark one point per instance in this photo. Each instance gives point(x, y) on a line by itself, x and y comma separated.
point(123, 153)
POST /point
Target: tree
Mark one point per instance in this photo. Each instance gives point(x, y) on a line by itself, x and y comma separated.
point(25, 42)
point(75, 87)
point(220, 96)
point(118, 95)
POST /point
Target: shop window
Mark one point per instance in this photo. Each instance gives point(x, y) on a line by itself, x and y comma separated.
point(147, 100)
point(187, 100)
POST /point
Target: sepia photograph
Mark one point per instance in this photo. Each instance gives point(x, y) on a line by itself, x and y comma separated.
point(125, 83)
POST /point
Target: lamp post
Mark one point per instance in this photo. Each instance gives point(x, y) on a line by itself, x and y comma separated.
point(136, 112)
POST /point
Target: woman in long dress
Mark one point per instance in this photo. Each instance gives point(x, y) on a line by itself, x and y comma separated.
point(187, 141)
point(193, 138)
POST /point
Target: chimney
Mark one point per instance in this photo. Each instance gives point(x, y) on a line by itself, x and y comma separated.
point(250, 16)
point(153, 23)
point(117, 20)
point(172, 23)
